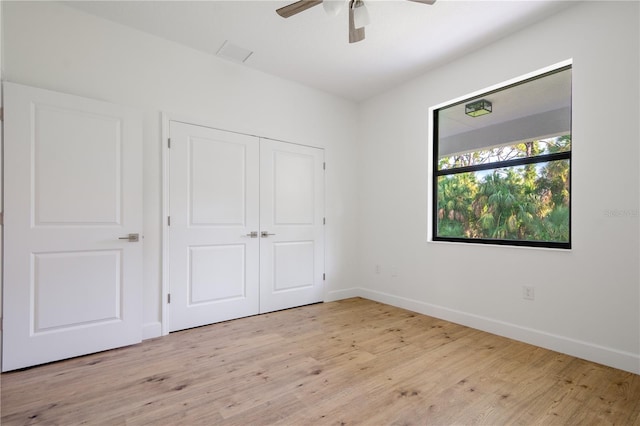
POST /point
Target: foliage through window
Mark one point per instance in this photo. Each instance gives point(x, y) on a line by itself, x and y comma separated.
point(504, 177)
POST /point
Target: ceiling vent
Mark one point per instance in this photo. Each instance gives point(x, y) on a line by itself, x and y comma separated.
point(233, 53)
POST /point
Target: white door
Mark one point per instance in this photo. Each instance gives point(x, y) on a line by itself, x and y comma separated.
point(213, 208)
point(72, 190)
point(291, 224)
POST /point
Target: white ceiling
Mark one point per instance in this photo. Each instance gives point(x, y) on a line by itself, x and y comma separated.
point(404, 39)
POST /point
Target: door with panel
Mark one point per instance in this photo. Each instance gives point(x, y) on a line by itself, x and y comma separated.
point(292, 225)
point(72, 197)
point(213, 231)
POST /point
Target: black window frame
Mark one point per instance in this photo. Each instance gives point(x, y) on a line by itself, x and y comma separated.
point(436, 173)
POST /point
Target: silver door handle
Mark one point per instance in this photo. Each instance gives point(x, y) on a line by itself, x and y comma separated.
point(265, 234)
point(253, 234)
point(132, 238)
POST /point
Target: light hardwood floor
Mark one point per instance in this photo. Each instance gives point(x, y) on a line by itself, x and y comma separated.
point(342, 363)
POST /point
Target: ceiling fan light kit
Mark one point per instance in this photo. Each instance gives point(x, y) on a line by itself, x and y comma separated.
point(333, 7)
point(355, 34)
point(358, 13)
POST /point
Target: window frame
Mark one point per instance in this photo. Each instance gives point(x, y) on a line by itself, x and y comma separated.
point(435, 173)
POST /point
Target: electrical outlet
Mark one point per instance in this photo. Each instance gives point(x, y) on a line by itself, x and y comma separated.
point(377, 268)
point(394, 271)
point(528, 292)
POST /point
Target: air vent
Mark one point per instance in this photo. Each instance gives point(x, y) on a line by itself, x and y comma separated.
point(233, 53)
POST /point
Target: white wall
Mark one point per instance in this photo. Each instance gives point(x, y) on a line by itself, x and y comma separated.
point(587, 299)
point(54, 47)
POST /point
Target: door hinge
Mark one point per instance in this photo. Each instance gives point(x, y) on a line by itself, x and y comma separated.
point(324, 276)
point(324, 166)
point(1, 114)
point(168, 297)
point(1, 218)
point(168, 220)
point(169, 143)
point(324, 220)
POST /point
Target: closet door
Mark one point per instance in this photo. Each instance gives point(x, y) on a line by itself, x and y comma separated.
point(213, 207)
point(291, 224)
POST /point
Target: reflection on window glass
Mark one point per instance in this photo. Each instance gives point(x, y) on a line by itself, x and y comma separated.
point(505, 153)
point(503, 176)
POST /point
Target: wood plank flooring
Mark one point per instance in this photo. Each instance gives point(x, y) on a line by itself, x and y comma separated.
point(351, 362)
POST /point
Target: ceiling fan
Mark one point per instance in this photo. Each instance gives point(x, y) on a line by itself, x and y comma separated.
point(358, 15)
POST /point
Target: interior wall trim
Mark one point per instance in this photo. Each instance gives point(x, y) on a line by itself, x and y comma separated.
point(347, 293)
point(611, 357)
point(151, 330)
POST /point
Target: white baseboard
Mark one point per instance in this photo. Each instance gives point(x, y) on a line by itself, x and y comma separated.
point(600, 354)
point(332, 296)
point(151, 330)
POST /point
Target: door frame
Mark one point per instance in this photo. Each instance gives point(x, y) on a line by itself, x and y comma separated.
point(166, 118)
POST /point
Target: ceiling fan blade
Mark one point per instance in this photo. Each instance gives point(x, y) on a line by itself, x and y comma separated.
point(355, 34)
point(297, 7)
point(424, 1)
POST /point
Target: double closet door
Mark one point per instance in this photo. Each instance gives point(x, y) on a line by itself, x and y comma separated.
point(245, 225)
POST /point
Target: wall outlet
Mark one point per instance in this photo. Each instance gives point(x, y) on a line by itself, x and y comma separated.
point(528, 292)
point(377, 268)
point(394, 271)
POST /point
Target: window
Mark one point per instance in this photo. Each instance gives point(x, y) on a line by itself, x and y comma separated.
point(502, 165)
